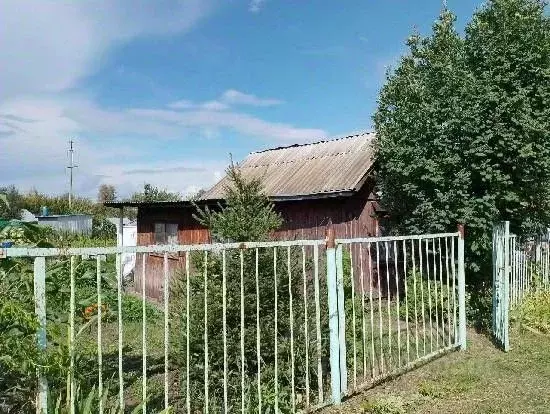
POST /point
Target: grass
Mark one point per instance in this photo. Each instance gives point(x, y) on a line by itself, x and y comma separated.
point(481, 380)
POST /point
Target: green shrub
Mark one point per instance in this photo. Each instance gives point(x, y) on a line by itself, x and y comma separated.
point(233, 315)
point(479, 306)
point(533, 312)
point(422, 291)
point(19, 355)
point(386, 405)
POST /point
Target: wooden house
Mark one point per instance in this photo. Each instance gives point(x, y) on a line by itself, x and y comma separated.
point(311, 185)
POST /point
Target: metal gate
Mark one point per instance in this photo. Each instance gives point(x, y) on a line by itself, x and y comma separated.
point(271, 326)
point(520, 268)
point(501, 283)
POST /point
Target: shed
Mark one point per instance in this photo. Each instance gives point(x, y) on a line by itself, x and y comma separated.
point(71, 223)
point(311, 185)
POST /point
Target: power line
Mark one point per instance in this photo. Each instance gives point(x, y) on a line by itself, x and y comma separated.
point(71, 167)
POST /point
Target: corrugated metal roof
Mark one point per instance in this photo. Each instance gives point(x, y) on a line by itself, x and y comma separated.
point(321, 168)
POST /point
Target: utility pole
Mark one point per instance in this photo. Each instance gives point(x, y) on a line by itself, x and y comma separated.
point(71, 167)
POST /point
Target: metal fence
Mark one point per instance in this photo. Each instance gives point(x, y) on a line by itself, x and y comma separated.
point(253, 327)
point(520, 267)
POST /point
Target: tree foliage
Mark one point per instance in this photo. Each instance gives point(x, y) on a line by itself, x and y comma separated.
point(248, 215)
point(10, 202)
point(106, 193)
point(463, 126)
point(151, 193)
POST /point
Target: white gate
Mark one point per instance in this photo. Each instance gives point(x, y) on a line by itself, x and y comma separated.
point(519, 268)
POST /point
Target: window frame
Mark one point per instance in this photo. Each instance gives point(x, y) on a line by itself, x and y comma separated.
point(168, 235)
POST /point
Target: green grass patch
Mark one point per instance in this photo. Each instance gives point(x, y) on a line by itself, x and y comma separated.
point(480, 380)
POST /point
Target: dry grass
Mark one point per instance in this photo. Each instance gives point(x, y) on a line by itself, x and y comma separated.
point(480, 380)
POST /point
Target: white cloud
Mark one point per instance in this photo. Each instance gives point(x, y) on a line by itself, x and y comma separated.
point(240, 122)
point(256, 5)
point(231, 96)
point(181, 177)
point(48, 46)
point(34, 135)
point(182, 104)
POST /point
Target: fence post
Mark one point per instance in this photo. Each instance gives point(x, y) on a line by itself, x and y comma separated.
point(333, 318)
point(506, 290)
point(341, 319)
point(461, 290)
point(40, 309)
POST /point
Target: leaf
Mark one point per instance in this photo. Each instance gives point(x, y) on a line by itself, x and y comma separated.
point(4, 200)
point(89, 400)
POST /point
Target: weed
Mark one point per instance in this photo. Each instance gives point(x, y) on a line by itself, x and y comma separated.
point(390, 404)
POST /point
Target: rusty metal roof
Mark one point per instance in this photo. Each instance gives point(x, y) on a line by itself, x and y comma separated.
point(319, 169)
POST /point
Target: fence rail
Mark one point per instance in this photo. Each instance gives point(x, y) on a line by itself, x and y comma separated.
point(248, 327)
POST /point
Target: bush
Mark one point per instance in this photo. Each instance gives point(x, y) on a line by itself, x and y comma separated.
point(533, 313)
point(479, 306)
point(233, 315)
point(432, 291)
point(385, 405)
point(247, 216)
point(19, 355)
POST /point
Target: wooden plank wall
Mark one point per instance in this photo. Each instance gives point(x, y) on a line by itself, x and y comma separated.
point(306, 219)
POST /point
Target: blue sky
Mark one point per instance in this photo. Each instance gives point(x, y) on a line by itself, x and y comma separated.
point(162, 91)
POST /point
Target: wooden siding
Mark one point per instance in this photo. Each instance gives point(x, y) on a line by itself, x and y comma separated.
point(303, 219)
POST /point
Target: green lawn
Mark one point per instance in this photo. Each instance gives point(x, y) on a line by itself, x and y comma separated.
point(480, 380)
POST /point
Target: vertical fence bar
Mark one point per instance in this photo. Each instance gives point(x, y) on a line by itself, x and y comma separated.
point(276, 333)
point(187, 331)
point(40, 310)
point(506, 290)
point(242, 330)
point(441, 291)
point(455, 325)
point(381, 368)
point(318, 323)
point(166, 326)
point(291, 323)
point(448, 290)
point(306, 328)
point(72, 383)
point(511, 277)
point(363, 320)
point(429, 294)
point(99, 338)
point(352, 281)
point(341, 319)
point(258, 347)
point(373, 355)
point(388, 299)
point(144, 335)
point(513, 274)
point(415, 300)
point(120, 339)
point(496, 290)
point(461, 290)
point(422, 295)
point(206, 360)
point(406, 298)
point(224, 328)
point(333, 319)
point(434, 253)
point(395, 254)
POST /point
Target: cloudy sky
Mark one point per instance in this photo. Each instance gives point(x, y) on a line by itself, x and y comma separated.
point(162, 91)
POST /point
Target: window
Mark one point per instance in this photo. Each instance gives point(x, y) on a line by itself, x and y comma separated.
point(166, 233)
